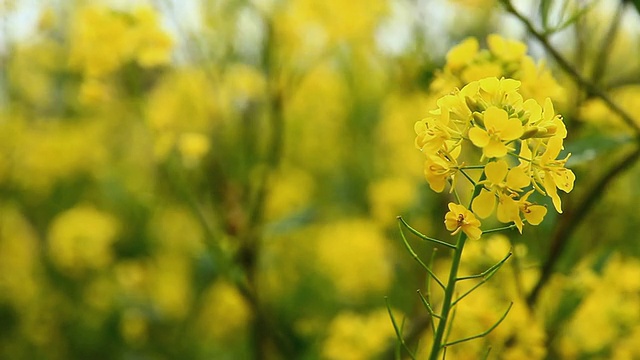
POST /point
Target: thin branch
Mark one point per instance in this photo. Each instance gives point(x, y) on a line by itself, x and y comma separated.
point(417, 258)
point(566, 66)
point(488, 276)
point(607, 43)
point(510, 227)
point(493, 268)
point(482, 334)
point(426, 304)
point(422, 236)
point(398, 331)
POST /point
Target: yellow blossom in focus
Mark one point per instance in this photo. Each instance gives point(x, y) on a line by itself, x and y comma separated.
point(460, 218)
point(499, 130)
point(439, 168)
point(548, 171)
point(496, 173)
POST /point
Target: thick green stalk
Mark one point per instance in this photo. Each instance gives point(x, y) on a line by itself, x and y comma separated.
point(448, 298)
point(451, 284)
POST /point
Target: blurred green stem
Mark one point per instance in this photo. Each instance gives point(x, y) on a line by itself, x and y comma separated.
point(590, 87)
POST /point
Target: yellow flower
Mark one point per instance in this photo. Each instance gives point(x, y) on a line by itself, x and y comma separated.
point(462, 54)
point(431, 134)
point(505, 49)
point(496, 173)
point(499, 128)
point(460, 218)
point(533, 213)
point(549, 171)
point(438, 168)
point(543, 123)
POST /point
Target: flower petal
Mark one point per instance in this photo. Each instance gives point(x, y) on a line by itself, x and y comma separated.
point(478, 137)
point(496, 171)
point(495, 149)
point(484, 204)
point(517, 178)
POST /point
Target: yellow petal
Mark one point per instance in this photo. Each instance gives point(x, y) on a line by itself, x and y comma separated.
point(495, 149)
point(548, 112)
point(507, 209)
point(495, 118)
point(484, 204)
point(533, 109)
point(474, 233)
point(535, 214)
point(511, 130)
point(478, 137)
point(496, 171)
point(517, 178)
point(552, 192)
point(564, 180)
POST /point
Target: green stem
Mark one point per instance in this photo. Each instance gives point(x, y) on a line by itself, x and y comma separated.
point(449, 290)
point(448, 298)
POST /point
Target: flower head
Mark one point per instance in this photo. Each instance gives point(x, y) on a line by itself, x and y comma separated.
point(460, 218)
point(498, 130)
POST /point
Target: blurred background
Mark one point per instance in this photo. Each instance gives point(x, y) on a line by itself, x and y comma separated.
point(221, 179)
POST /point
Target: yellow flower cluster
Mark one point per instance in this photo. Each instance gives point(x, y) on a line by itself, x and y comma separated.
point(103, 40)
point(519, 139)
point(507, 58)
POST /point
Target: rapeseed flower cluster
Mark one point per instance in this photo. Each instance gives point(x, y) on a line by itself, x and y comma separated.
point(467, 62)
point(488, 125)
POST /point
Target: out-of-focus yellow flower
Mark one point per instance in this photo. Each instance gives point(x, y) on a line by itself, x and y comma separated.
point(19, 261)
point(291, 190)
point(504, 58)
point(99, 41)
point(388, 197)
point(180, 95)
point(154, 45)
point(224, 314)
point(506, 49)
point(345, 252)
point(81, 239)
point(460, 218)
point(170, 287)
point(609, 305)
point(134, 327)
point(77, 149)
point(193, 147)
point(103, 40)
point(358, 337)
point(462, 54)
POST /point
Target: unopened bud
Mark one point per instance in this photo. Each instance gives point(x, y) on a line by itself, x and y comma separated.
point(478, 118)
